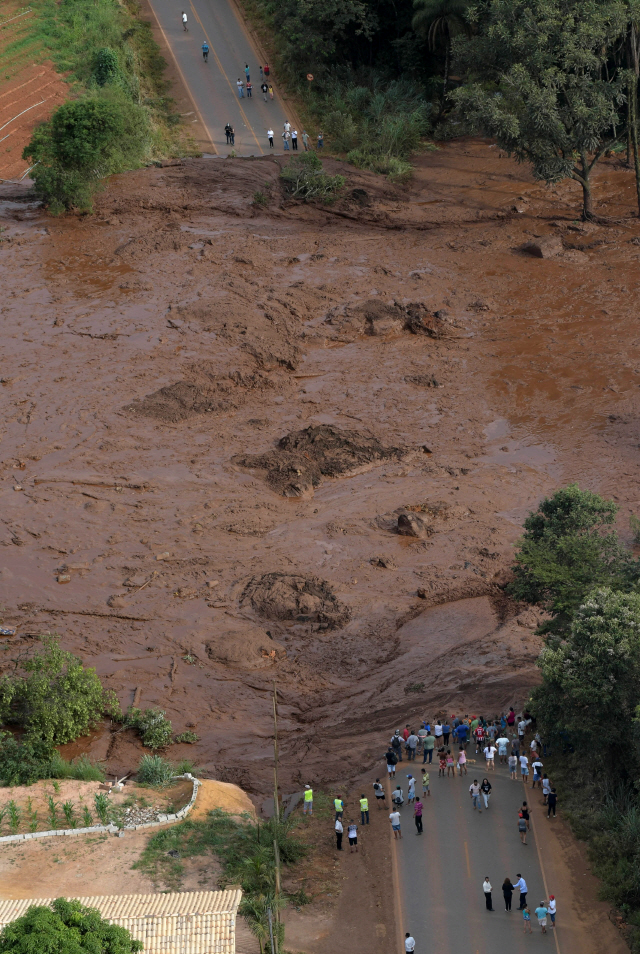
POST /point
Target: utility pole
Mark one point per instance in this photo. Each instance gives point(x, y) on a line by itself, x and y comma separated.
point(276, 804)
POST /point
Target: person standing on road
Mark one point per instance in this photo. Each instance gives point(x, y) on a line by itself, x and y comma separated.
point(294, 146)
point(526, 917)
point(396, 744)
point(522, 728)
point(502, 742)
point(409, 944)
point(352, 834)
point(489, 754)
point(521, 885)
point(524, 768)
point(339, 830)
point(246, 71)
point(205, 51)
point(338, 804)
point(240, 86)
point(249, 89)
point(462, 761)
point(513, 765)
point(442, 762)
point(546, 788)
point(522, 828)
point(511, 717)
point(551, 907)
point(446, 732)
point(285, 139)
point(536, 767)
point(525, 814)
point(425, 783)
point(437, 731)
point(308, 800)
point(486, 791)
point(364, 810)
point(287, 128)
point(411, 794)
point(394, 818)
point(507, 892)
point(552, 798)
point(461, 732)
point(233, 136)
point(451, 765)
point(184, 22)
point(378, 788)
point(417, 816)
point(270, 138)
point(392, 761)
point(412, 740)
point(429, 742)
point(227, 132)
point(486, 887)
point(474, 792)
point(264, 88)
point(541, 914)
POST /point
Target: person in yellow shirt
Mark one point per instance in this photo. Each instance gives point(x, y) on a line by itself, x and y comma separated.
point(364, 810)
point(338, 804)
point(308, 800)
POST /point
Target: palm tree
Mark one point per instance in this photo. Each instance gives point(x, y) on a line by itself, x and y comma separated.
point(441, 20)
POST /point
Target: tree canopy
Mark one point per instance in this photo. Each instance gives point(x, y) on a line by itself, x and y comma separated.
point(67, 927)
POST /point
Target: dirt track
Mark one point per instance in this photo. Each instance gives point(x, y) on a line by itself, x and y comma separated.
point(163, 362)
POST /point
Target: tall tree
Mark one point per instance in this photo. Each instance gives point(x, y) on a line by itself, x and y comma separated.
point(541, 81)
point(440, 21)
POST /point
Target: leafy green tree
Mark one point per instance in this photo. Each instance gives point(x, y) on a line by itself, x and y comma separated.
point(312, 31)
point(83, 142)
point(440, 21)
point(55, 698)
point(591, 681)
point(542, 81)
point(567, 549)
point(67, 927)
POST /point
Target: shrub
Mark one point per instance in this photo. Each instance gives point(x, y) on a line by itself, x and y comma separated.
point(68, 928)
point(83, 142)
point(260, 199)
point(154, 770)
point(101, 802)
point(189, 737)
point(106, 66)
point(56, 700)
point(154, 728)
point(304, 178)
point(82, 769)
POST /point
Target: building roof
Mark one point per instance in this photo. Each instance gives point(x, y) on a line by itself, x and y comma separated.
point(186, 922)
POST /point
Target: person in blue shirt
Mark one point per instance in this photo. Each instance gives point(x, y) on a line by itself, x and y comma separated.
point(205, 51)
point(461, 733)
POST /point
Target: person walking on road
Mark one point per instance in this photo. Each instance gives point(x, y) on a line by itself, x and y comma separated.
point(525, 814)
point(308, 800)
point(240, 86)
point(205, 51)
point(513, 765)
point(429, 742)
point(526, 917)
point(339, 830)
point(364, 810)
point(551, 907)
point(522, 828)
point(294, 146)
point(541, 914)
point(392, 760)
point(378, 788)
point(485, 787)
point(486, 887)
point(546, 788)
point(536, 767)
point(184, 22)
point(394, 818)
point(425, 783)
point(409, 944)
point(507, 892)
point(462, 761)
point(352, 834)
point(270, 92)
point(270, 138)
point(417, 816)
point(338, 804)
point(521, 885)
point(552, 798)
point(265, 90)
point(474, 792)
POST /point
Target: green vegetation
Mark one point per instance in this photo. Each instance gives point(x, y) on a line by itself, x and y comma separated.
point(154, 728)
point(246, 852)
point(123, 115)
point(154, 770)
point(572, 563)
point(67, 927)
point(304, 178)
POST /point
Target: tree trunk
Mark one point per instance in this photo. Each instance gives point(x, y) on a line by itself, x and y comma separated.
point(584, 179)
point(446, 71)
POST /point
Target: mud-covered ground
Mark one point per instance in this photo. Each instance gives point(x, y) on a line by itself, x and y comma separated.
point(242, 445)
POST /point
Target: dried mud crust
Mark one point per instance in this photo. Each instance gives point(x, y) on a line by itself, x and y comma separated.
point(289, 596)
point(240, 644)
point(302, 458)
point(201, 393)
point(376, 317)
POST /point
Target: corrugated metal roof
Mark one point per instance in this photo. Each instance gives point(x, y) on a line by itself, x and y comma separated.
point(186, 922)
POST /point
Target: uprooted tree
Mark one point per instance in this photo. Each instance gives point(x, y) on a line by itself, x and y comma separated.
point(544, 80)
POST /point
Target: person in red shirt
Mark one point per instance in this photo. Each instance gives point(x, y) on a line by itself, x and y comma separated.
point(511, 717)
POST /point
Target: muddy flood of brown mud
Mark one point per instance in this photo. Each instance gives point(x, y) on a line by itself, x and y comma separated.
point(297, 444)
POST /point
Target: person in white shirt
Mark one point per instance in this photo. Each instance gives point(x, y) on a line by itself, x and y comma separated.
point(287, 126)
point(489, 754)
point(184, 22)
point(524, 767)
point(437, 731)
point(551, 908)
point(522, 728)
point(502, 743)
point(536, 765)
point(352, 834)
point(270, 138)
point(339, 830)
point(546, 788)
point(409, 944)
point(486, 887)
point(474, 792)
point(411, 794)
point(394, 818)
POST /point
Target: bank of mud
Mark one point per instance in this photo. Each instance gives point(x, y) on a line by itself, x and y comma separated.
point(298, 444)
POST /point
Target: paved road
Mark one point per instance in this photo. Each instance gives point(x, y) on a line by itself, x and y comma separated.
point(213, 85)
point(440, 872)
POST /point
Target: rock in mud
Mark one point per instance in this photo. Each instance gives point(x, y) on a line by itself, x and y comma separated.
point(375, 317)
point(289, 596)
point(422, 380)
point(413, 525)
point(242, 645)
point(203, 394)
point(302, 458)
point(548, 246)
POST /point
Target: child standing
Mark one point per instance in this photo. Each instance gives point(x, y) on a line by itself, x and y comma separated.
point(526, 915)
point(462, 761)
point(425, 784)
point(451, 767)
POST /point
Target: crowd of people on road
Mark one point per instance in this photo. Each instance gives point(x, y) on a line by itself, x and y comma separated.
point(501, 739)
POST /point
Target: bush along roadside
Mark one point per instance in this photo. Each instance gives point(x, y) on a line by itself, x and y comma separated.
point(121, 116)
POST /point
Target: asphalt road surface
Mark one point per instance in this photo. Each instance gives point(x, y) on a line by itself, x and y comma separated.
point(440, 873)
point(213, 85)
